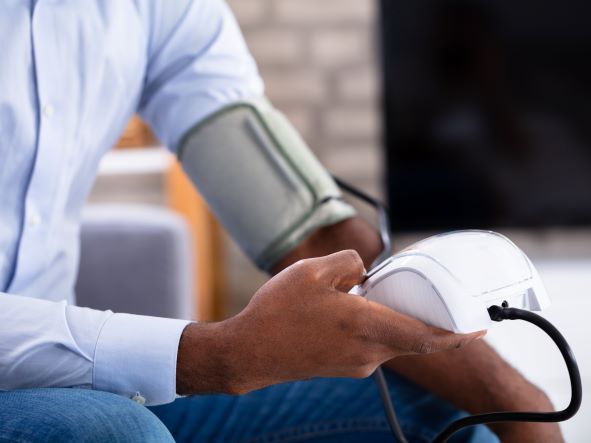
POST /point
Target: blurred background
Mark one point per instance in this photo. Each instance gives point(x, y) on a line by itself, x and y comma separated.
point(487, 113)
point(459, 114)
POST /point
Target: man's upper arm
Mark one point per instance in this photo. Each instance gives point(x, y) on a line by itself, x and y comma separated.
point(198, 63)
point(257, 174)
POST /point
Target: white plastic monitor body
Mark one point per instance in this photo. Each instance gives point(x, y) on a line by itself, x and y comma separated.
point(450, 280)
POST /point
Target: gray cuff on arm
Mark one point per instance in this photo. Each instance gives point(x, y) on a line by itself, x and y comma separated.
point(260, 179)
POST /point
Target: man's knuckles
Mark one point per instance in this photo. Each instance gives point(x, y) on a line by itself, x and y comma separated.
point(440, 340)
point(343, 269)
point(426, 346)
point(340, 271)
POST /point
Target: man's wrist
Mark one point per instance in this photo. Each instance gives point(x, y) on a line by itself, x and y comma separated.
point(530, 399)
point(206, 362)
point(353, 233)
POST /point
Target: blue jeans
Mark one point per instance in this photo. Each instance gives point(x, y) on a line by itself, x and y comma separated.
point(322, 410)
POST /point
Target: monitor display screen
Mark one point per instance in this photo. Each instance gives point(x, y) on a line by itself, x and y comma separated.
point(487, 113)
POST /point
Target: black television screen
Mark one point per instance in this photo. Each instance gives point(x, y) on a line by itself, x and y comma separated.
point(487, 113)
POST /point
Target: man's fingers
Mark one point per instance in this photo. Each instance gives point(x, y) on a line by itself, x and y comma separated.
point(439, 340)
point(341, 270)
point(408, 334)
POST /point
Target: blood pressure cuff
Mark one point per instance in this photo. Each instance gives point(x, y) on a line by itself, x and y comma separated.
point(260, 179)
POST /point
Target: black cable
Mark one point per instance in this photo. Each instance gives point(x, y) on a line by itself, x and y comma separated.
point(388, 406)
point(498, 314)
point(383, 218)
point(386, 237)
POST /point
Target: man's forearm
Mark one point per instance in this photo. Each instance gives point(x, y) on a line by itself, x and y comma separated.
point(478, 380)
point(475, 379)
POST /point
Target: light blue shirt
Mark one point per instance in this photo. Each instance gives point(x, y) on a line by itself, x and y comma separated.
point(71, 75)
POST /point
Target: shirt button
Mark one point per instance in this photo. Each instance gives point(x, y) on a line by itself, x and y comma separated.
point(139, 399)
point(34, 220)
point(48, 110)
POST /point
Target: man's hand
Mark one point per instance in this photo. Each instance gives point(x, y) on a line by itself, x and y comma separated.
point(303, 324)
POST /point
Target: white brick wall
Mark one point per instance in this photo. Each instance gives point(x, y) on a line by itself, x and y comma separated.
point(276, 46)
point(341, 48)
point(318, 59)
point(319, 62)
point(297, 86)
point(250, 12)
point(357, 123)
point(358, 85)
point(325, 12)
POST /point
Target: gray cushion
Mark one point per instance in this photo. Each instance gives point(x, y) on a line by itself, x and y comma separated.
point(135, 259)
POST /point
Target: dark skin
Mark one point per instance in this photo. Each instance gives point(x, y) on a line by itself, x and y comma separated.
point(298, 323)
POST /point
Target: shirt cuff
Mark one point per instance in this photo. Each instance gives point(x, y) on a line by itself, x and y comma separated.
point(136, 357)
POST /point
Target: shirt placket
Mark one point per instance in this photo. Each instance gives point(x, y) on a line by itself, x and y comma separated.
point(43, 188)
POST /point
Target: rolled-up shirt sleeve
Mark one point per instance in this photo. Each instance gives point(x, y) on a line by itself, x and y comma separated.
point(53, 344)
point(198, 63)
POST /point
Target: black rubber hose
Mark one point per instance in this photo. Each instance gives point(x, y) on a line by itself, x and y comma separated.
point(386, 237)
point(498, 313)
point(383, 218)
point(388, 406)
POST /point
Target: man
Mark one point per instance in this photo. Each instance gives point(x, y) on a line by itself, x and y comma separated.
point(72, 74)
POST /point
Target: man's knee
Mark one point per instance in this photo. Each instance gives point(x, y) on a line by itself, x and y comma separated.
point(71, 415)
